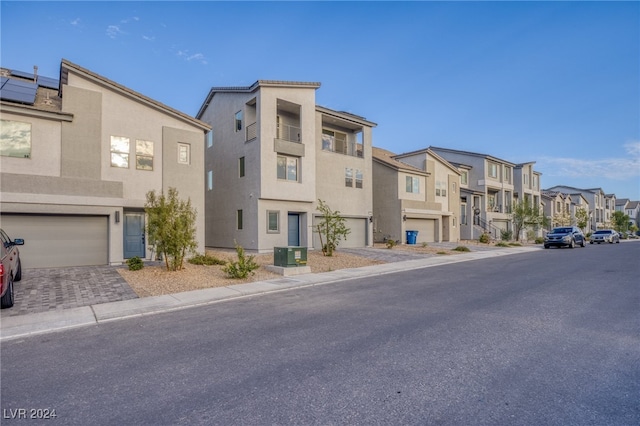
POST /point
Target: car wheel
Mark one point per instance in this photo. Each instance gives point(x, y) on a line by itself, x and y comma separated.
point(572, 244)
point(583, 244)
point(18, 276)
point(7, 299)
point(590, 242)
point(546, 246)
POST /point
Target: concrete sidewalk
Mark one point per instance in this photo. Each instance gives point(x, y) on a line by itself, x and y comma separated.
point(45, 322)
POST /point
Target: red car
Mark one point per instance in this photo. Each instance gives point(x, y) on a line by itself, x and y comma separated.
point(10, 268)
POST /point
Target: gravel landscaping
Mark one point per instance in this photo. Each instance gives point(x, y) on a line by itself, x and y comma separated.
point(154, 279)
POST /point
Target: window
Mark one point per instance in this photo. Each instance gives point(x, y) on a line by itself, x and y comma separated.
point(464, 177)
point(119, 152)
point(463, 214)
point(144, 155)
point(525, 179)
point(241, 166)
point(493, 170)
point(238, 121)
point(535, 182)
point(348, 177)
point(438, 189)
point(209, 180)
point(273, 222)
point(507, 174)
point(184, 153)
point(413, 184)
point(210, 138)
point(453, 187)
point(287, 168)
point(15, 139)
point(359, 179)
point(239, 219)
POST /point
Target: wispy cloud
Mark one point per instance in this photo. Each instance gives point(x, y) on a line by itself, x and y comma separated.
point(113, 31)
point(621, 168)
point(127, 20)
point(198, 57)
point(76, 22)
point(148, 38)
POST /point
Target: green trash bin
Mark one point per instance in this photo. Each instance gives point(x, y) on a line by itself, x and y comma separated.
point(290, 257)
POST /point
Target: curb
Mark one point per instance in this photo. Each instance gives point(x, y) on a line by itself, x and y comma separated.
point(52, 321)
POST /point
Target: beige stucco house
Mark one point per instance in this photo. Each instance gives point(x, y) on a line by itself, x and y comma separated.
point(273, 155)
point(79, 154)
point(417, 191)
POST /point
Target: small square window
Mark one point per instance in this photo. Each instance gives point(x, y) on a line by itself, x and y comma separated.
point(184, 153)
point(273, 222)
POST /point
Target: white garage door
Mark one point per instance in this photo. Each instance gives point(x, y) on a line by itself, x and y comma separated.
point(356, 238)
point(53, 241)
point(426, 229)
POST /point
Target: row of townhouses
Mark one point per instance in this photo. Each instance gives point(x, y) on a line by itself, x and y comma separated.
point(79, 154)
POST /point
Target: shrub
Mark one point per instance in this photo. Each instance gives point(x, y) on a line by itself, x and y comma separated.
point(424, 244)
point(515, 244)
point(484, 238)
point(135, 263)
point(243, 267)
point(390, 243)
point(205, 259)
point(539, 240)
point(502, 244)
point(506, 235)
point(461, 248)
point(442, 252)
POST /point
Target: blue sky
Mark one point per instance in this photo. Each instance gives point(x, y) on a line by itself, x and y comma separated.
point(553, 82)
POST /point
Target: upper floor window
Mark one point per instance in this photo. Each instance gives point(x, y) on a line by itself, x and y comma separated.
point(334, 141)
point(209, 180)
point(413, 184)
point(348, 177)
point(507, 174)
point(535, 182)
point(144, 155)
point(184, 153)
point(525, 179)
point(464, 178)
point(493, 170)
point(359, 179)
point(441, 188)
point(287, 168)
point(238, 121)
point(210, 138)
point(15, 139)
point(119, 152)
point(241, 166)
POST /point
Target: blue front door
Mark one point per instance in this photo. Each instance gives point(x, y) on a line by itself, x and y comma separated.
point(294, 229)
point(134, 235)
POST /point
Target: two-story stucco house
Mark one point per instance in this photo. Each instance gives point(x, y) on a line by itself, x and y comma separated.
point(417, 191)
point(78, 156)
point(274, 153)
point(557, 208)
point(630, 208)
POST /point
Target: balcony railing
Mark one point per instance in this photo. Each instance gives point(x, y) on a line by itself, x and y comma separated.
point(252, 131)
point(289, 133)
point(354, 150)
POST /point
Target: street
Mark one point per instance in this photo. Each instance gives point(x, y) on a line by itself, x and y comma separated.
point(548, 337)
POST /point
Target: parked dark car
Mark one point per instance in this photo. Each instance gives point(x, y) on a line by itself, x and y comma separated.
point(564, 236)
point(10, 268)
point(605, 236)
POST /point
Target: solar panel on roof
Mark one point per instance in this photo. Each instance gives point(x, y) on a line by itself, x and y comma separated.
point(47, 82)
point(19, 91)
point(22, 74)
point(3, 80)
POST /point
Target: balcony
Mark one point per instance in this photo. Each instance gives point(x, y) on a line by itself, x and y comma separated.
point(251, 132)
point(289, 133)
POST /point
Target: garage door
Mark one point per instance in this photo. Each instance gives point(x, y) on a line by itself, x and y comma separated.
point(356, 238)
point(426, 229)
point(53, 241)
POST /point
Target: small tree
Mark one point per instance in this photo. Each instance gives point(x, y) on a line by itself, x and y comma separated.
point(620, 221)
point(582, 218)
point(171, 225)
point(562, 219)
point(526, 216)
point(332, 227)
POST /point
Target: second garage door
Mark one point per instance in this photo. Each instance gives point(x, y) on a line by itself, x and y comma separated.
point(356, 238)
point(426, 229)
point(54, 241)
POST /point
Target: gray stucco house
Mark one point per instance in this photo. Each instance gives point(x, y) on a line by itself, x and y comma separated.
point(78, 155)
point(273, 154)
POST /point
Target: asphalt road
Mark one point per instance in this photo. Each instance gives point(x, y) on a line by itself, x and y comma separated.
point(543, 338)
